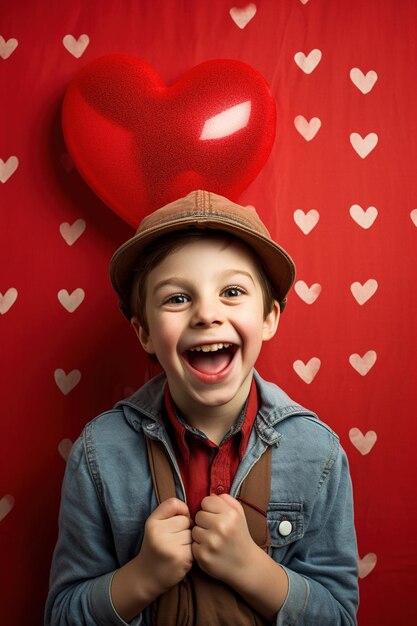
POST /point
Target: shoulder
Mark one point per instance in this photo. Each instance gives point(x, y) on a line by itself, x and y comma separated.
point(280, 411)
point(128, 417)
point(304, 444)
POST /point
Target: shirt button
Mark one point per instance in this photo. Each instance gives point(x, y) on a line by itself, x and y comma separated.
point(285, 528)
point(220, 489)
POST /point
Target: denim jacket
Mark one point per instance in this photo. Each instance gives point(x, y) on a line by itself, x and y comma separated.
point(108, 495)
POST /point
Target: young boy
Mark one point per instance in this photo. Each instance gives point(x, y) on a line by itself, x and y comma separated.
point(203, 285)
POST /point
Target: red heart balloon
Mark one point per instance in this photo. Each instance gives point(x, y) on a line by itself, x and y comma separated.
point(140, 144)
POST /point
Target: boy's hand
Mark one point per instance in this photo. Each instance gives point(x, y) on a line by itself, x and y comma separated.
point(222, 544)
point(164, 559)
point(166, 554)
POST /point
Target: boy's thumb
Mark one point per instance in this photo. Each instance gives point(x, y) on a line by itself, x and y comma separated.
point(169, 508)
point(231, 501)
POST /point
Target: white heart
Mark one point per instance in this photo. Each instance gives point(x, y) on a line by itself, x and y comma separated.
point(7, 47)
point(8, 168)
point(307, 371)
point(8, 300)
point(308, 63)
point(307, 129)
point(363, 82)
point(76, 47)
point(306, 293)
point(363, 443)
point(361, 217)
point(303, 1)
point(413, 216)
point(243, 16)
point(362, 364)
point(362, 293)
point(306, 221)
point(64, 448)
point(363, 145)
point(70, 233)
point(72, 301)
point(67, 382)
point(6, 505)
point(367, 564)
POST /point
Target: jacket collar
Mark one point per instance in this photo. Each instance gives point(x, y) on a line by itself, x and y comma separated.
point(146, 406)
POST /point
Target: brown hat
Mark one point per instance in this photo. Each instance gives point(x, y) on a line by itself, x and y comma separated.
point(200, 210)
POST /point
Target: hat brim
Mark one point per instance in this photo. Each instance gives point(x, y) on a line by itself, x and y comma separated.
point(279, 266)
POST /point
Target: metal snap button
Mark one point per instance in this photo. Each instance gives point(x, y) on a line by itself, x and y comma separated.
point(285, 528)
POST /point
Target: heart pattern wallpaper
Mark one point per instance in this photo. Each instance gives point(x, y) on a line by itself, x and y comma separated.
point(305, 110)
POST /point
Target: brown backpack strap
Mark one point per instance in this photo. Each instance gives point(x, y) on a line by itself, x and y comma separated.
point(254, 496)
point(254, 493)
point(199, 599)
point(161, 470)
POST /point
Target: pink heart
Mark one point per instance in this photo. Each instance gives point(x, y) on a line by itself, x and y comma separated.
point(367, 564)
point(306, 221)
point(306, 293)
point(361, 217)
point(362, 293)
point(6, 505)
point(362, 364)
point(71, 232)
point(243, 16)
point(307, 371)
point(308, 62)
point(8, 168)
point(71, 301)
point(76, 47)
point(363, 443)
point(7, 47)
point(7, 300)
point(363, 145)
point(307, 129)
point(67, 382)
point(64, 448)
point(363, 82)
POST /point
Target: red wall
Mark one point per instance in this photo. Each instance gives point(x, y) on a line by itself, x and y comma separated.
point(346, 246)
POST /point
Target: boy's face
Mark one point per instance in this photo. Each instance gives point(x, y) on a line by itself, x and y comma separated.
point(206, 323)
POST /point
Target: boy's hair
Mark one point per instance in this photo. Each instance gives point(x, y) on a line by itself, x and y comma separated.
point(158, 250)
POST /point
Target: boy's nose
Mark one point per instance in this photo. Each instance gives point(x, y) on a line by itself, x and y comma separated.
point(207, 313)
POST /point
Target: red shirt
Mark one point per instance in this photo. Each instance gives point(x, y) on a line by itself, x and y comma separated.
point(206, 467)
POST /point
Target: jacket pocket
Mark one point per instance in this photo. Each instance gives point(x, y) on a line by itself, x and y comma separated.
point(285, 522)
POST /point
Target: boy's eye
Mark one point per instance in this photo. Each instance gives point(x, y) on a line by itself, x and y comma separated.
point(233, 291)
point(178, 298)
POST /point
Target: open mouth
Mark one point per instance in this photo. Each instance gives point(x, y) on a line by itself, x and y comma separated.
point(211, 358)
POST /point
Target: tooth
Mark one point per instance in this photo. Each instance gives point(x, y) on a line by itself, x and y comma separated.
point(213, 347)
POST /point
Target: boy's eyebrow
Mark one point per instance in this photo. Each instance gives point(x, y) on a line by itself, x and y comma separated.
point(167, 281)
point(233, 272)
point(181, 279)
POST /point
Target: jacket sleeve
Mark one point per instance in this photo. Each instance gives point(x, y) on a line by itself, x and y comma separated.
point(84, 560)
point(322, 568)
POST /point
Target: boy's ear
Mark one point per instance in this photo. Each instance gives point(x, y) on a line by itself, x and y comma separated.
point(271, 322)
point(143, 336)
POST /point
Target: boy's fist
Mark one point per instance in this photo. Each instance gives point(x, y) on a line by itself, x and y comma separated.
point(166, 553)
point(222, 544)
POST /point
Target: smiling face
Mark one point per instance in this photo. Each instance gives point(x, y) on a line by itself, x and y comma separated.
point(206, 324)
